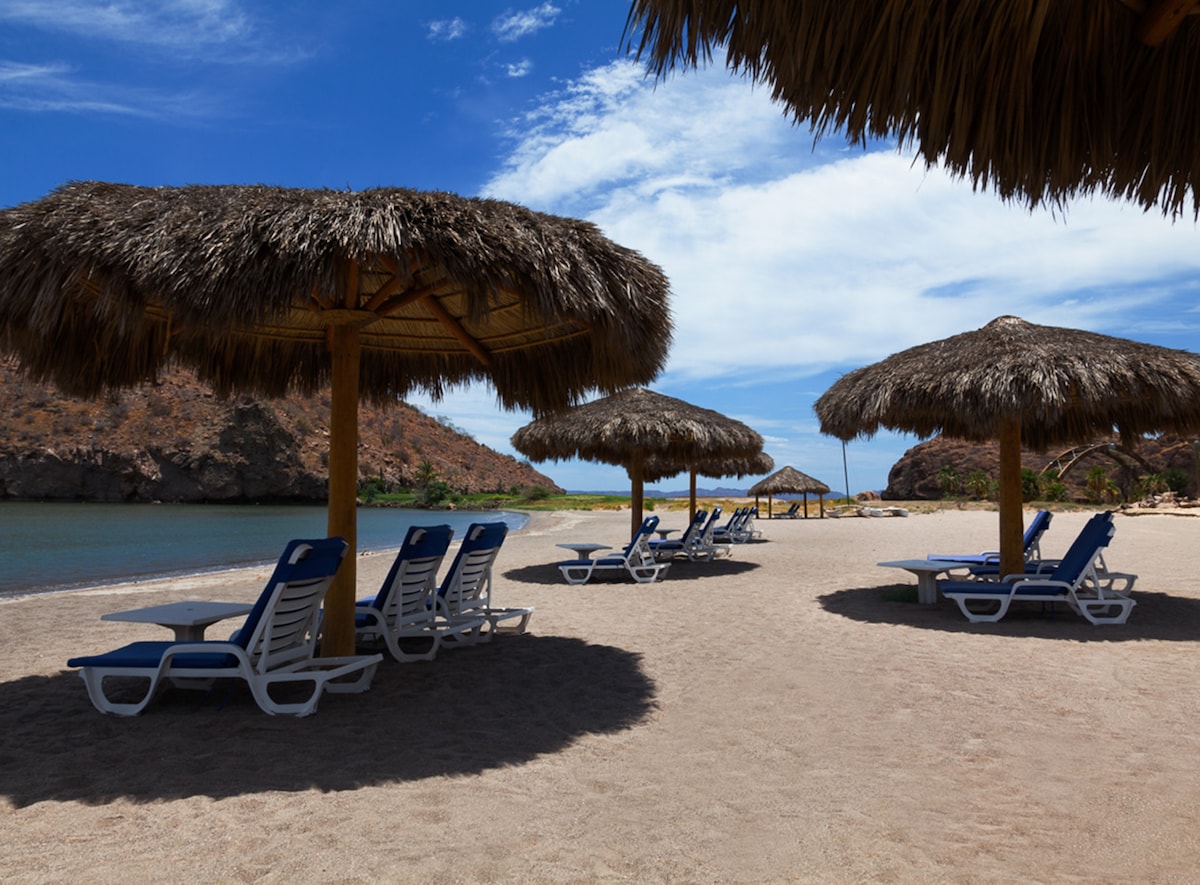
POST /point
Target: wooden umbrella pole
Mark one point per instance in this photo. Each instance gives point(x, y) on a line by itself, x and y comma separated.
point(338, 627)
point(635, 500)
point(1012, 520)
point(692, 504)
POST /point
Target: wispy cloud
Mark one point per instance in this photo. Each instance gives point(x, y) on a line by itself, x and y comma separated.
point(214, 30)
point(447, 29)
point(512, 26)
point(49, 88)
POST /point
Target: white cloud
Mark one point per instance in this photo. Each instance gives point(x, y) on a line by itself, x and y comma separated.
point(56, 88)
point(212, 30)
point(807, 260)
point(512, 26)
point(447, 29)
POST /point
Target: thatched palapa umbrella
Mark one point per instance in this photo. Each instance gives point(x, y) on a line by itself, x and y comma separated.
point(631, 426)
point(656, 468)
point(377, 293)
point(1038, 100)
point(1022, 384)
point(789, 480)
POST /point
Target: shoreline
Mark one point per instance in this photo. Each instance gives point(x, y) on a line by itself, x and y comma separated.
point(102, 546)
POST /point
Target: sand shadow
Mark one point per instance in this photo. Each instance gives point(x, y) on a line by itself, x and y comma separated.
point(680, 570)
point(472, 709)
point(1156, 616)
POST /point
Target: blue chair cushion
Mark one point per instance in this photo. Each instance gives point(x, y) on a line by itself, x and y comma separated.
point(150, 654)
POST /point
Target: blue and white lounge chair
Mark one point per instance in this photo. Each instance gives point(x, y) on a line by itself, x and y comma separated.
point(667, 548)
point(275, 646)
point(739, 529)
point(1075, 580)
point(1032, 545)
point(706, 546)
point(465, 595)
point(637, 560)
point(403, 615)
point(731, 531)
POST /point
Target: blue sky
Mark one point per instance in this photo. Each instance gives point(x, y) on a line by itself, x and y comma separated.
point(790, 263)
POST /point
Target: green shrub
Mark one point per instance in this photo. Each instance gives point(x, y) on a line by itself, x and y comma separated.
point(948, 482)
point(1031, 485)
point(1055, 490)
point(1177, 480)
point(1150, 485)
point(978, 484)
point(1100, 488)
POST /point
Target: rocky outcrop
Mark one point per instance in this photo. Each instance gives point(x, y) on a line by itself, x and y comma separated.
point(916, 475)
point(176, 441)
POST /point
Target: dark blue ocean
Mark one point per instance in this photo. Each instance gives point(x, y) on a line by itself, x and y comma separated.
point(57, 546)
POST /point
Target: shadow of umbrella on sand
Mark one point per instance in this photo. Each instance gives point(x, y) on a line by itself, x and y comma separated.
point(377, 293)
point(1039, 101)
point(632, 426)
point(1024, 385)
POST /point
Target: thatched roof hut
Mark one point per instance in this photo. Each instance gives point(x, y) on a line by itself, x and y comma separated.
point(1025, 385)
point(1038, 101)
point(632, 426)
point(789, 480)
point(377, 293)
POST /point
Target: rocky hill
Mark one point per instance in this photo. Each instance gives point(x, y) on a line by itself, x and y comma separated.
point(177, 441)
point(915, 475)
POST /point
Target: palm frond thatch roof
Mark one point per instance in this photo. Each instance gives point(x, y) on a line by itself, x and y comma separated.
point(658, 468)
point(1037, 100)
point(637, 422)
point(633, 426)
point(1027, 386)
point(789, 480)
point(101, 284)
point(1064, 386)
point(268, 290)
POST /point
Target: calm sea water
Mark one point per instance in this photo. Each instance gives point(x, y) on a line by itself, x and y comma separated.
point(57, 546)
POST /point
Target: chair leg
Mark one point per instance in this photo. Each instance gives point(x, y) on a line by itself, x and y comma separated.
point(93, 678)
point(983, 617)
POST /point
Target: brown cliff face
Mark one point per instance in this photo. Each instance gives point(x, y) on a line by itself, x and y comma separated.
point(177, 441)
point(915, 476)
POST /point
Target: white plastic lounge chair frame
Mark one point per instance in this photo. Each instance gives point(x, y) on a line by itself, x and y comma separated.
point(1075, 580)
point(465, 595)
point(275, 646)
point(403, 616)
point(637, 559)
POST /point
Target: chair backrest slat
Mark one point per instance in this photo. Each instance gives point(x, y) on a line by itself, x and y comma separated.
point(1090, 541)
point(469, 577)
point(282, 626)
point(412, 579)
point(649, 524)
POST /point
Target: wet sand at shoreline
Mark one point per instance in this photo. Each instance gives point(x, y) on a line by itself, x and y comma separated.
point(784, 715)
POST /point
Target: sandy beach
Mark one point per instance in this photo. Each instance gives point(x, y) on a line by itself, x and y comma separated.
point(789, 714)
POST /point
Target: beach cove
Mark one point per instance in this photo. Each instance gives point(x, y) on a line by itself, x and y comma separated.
point(785, 715)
